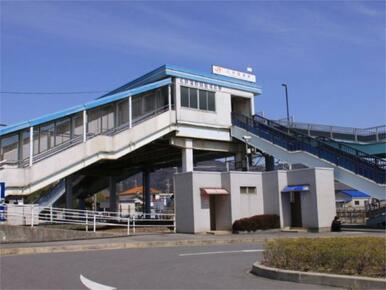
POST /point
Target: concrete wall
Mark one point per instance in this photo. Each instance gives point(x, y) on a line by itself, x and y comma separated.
point(244, 205)
point(222, 116)
point(193, 211)
point(26, 234)
point(325, 194)
point(183, 188)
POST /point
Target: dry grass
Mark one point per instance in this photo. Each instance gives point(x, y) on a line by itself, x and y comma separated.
point(363, 256)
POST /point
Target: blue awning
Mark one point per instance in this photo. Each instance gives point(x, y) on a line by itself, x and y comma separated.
point(290, 188)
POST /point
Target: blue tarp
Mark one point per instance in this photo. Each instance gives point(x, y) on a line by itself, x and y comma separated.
point(355, 193)
point(290, 188)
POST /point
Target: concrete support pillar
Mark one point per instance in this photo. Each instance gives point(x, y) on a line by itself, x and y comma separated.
point(269, 162)
point(146, 191)
point(240, 163)
point(68, 185)
point(187, 156)
point(82, 204)
point(113, 193)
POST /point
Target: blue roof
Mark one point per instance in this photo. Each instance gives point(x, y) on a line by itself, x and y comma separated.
point(174, 71)
point(355, 193)
point(301, 187)
point(79, 108)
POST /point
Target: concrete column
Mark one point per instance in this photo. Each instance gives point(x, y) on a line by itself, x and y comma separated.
point(113, 193)
point(146, 191)
point(187, 156)
point(240, 160)
point(269, 162)
point(68, 185)
point(82, 203)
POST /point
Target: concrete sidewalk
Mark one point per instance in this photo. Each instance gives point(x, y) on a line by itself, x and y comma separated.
point(160, 240)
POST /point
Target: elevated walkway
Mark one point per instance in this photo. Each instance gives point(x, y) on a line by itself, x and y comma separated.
point(369, 140)
point(352, 167)
point(108, 145)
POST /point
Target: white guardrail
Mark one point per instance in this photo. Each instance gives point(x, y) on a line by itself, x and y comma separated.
point(34, 215)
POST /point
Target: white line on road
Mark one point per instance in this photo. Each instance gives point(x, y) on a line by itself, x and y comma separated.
point(94, 285)
point(220, 252)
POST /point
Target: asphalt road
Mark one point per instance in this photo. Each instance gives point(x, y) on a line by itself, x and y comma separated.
point(196, 267)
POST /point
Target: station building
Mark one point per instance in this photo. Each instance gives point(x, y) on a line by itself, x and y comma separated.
point(177, 117)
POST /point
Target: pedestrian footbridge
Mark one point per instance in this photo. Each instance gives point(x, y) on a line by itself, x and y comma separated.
point(352, 167)
point(159, 120)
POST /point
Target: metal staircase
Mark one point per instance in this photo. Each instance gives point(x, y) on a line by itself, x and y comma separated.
point(352, 167)
point(49, 199)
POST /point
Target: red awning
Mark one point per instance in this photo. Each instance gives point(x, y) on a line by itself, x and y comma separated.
point(214, 190)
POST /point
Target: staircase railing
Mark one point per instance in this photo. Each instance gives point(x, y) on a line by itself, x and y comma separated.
point(372, 134)
point(344, 156)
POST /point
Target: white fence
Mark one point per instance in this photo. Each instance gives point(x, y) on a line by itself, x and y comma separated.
point(34, 215)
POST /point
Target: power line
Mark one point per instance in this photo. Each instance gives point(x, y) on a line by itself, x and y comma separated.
point(51, 93)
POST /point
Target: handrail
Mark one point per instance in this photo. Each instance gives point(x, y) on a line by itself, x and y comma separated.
point(342, 147)
point(79, 139)
point(371, 134)
point(32, 215)
point(360, 163)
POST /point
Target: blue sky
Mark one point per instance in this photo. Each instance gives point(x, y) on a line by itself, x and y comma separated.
point(330, 53)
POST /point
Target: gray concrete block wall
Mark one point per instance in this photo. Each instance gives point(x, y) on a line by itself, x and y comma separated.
point(183, 197)
point(325, 187)
point(193, 210)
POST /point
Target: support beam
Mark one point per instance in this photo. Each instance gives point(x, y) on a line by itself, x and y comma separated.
point(68, 185)
point(187, 156)
point(113, 193)
point(31, 145)
point(240, 160)
point(130, 113)
point(146, 191)
point(269, 162)
point(84, 126)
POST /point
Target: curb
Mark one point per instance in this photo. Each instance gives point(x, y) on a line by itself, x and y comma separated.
point(344, 281)
point(127, 245)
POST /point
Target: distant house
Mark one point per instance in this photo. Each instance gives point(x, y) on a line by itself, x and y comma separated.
point(351, 198)
point(137, 190)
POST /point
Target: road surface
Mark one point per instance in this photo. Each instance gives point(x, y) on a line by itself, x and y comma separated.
point(195, 267)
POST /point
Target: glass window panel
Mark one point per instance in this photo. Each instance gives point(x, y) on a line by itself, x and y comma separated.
point(107, 118)
point(36, 140)
point(62, 131)
point(77, 125)
point(193, 102)
point(10, 147)
point(123, 112)
point(211, 101)
point(25, 144)
point(150, 102)
point(184, 97)
point(47, 137)
point(251, 190)
point(243, 189)
point(203, 100)
point(136, 102)
point(163, 97)
point(94, 121)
